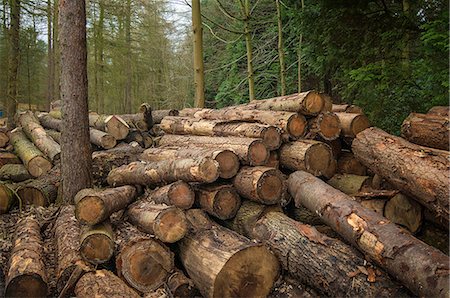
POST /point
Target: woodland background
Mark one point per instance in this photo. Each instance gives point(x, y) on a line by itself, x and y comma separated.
point(389, 57)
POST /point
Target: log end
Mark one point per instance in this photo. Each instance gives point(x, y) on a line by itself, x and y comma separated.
point(313, 103)
point(270, 187)
point(226, 203)
point(228, 164)
point(89, 210)
point(171, 225)
point(359, 123)
point(27, 285)
point(6, 198)
point(209, 169)
point(32, 196)
point(117, 127)
point(330, 127)
point(38, 166)
point(97, 248)
point(108, 141)
point(258, 154)
point(272, 138)
point(296, 126)
point(318, 158)
point(181, 195)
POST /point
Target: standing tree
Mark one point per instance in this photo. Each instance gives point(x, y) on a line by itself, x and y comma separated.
point(281, 50)
point(246, 12)
point(13, 60)
point(199, 77)
point(76, 163)
point(51, 78)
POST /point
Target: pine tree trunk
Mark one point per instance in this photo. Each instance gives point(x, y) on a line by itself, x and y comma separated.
point(245, 11)
point(103, 284)
point(199, 78)
point(427, 130)
point(218, 200)
point(13, 63)
point(50, 68)
point(281, 50)
point(178, 194)
point(97, 243)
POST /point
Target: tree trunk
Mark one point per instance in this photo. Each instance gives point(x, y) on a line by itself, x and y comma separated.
point(76, 161)
point(178, 194)
point(32, 157)
point(281, 50)
point(112, 124)
point(417, 171)
point(13, 63)
point(36, 133)
point(270, 135)
point(227, 160)
point(103, 284)
point(101, 58)
point(56, 52)
point(352, 124)
point(236, 266)
point(427, 130)
point(345, 108)
point(50, 68)
point(245, 11)
point(95, 205)
point(97, 243)
point(260, 184)
point(219, 200)
point(26, 271)
point(143, 262)
point(325, 125)
point(14, 173)
point(158, 115)
point(312, 156)
point(348, 164)
point(439, 110)
point(181, 286)
point(291, 123)
point(166, 223)
point(128, 55)
point(250, 151)
point(199, 77)
point(423, 269)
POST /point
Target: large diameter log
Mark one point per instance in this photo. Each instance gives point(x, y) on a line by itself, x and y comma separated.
point(49, 122)
point(270, 135)
point(345, 108)
point(14, 173)
point(166, 223)
point(143, 262)
point(35, 132)
point(222, 263)
point(178, 194)
point(352, 123)
point(67, 238)
point(95, 205)
point(439, 110)
point(158, 115)
point(251, 151)
point(221, 201)
point(325, 125)
point(260, 184)
point(427, 130)
point(103, 284)
point(26, 275)
point(228, 161)
point(97, 243)
point(419, 172)
point(350, 184)
point(30, 155)
point(112, 124)
point(421, 268)
point(181, 286)
point(312, 156)
point(348, 164)
point(8, 158)
point(203, 170)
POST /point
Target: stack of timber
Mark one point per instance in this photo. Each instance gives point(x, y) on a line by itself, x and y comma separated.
point(292, 190)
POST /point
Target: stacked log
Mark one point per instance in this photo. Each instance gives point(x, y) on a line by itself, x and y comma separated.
point(103, 284)
point(112, 124)
point(428, 130)
point(158, 115)
point(97, 243)
point(220, 201)
point(178, 194)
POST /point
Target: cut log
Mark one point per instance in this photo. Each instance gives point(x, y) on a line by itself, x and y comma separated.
point(421, 268)
point(4, 138)
point(95, 205)
point(306, 245)
point(158, 115)
point(327, 102)
point(291, 123)
point(348, 164)
point(427, 130)
point(166, 223)
point(36, 133)
point(222, 263)
point(41, 191)
point(305, 216)
point(14, 173)
point(102, 139)
point(113, 124)
point(419, 172)
point(49, 122)
point(55, 114)
point(250, 151)
point(352, 123)
point(143, 138)
point(312, 156)
point(219, 200)
point(274, 160)
point(260, 184)
point(161, 292)
point(178, 194)
point(439, 110)
point(26, 271)
point(7, 196)
point(228, 161)
point(31, 156)
point(141, 121)
point(180, 286)
point(8, 158)
point(350, 184)
point(270, 135)
point(325, 125)
point(405, 212)
point(55, 135)
point(345, 108)
point(97, 243)
point(103, 284)
point(203, 170)
point(67, 238)
point(143, 262)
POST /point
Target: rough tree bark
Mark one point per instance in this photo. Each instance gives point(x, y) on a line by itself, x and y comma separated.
point(199, 78)
point(439, 110)
point(158, 115)
point(14, 173)
point(13, 63)
point(427, 130)
point(112, 124)
point(103, 284)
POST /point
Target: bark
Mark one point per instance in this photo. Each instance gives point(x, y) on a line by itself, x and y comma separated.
point(325, 125)
point(348, 164)
point(26, 275)
point(76, 161)
point(8, 158)
point(246, 13)
point(419, 172)
point(7, 196)
point(228, 161)
point(222, 263)
point(260, 184)
point(270, 135)
point(101, 139)
point(128, 100)
point(14, 173)
point(103, 284)
point(143, 262)
point(346, 108)
point(141, 121)
point(404, 211)
point(352, 124)
point(203, 170)
point(42, 191)
point(220, 200)
point(67, 238)
point(181, 286)
point(4, 139)
point(289, 122)
point(250, 151)
point(96, 205)
point(199, 77)
point(166, 223)
point(143, 138)
point(281, 50)
point(178, 194)
point(350, 184)
point(427, 130)
point(421, 268)
point(439, 110)
point(50, 68)
point(327, 103)
point(97, 243)
point(158, 115)
point(55, 135)
point(13, 63)
point(312, 156)
point(31, 156)
point(112, 124)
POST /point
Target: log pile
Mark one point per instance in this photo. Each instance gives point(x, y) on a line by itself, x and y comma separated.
point(232, 202)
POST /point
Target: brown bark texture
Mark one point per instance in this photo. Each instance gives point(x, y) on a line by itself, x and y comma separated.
point(439, 110)
point(14, 173)
point(427, 130)
point(345, 108)
point(158, 115)
point(103, 284)
point(352, 124)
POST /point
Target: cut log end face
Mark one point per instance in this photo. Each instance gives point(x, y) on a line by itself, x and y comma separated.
point(5, 199)
point(28, 285)
point(271, 138)
point(108, 141)
point(318, 158)
point(297, 126)
point(228, 164)
point(90, 209)
point(270, 187)
point(32, 196)
point(97, 248)
point(209, 169)
point(171, 225)
point(359, 124)
point(249, 273)
point(39, 166)
point(118, 128)
point(258, 154)
point(181, 195)
point(330, 126)
point(226, 203)
point(314, 103)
